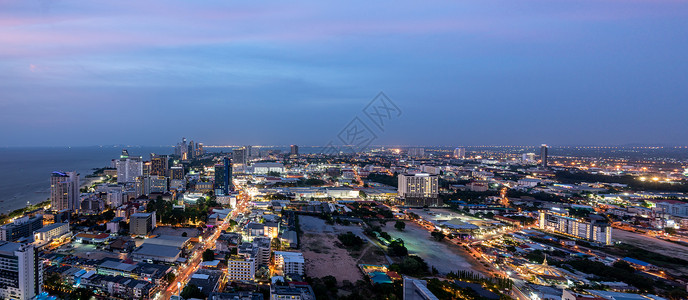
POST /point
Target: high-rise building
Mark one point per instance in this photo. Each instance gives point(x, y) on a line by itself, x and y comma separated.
point(177, 173)
point(528, 157)
point(21, 228)
point(142, 223)
point(289, 262)
point(64, 191)
point(199, 150)
point(128, 167)
point(227, 184)
point(147, 167)
point(294, 150)
point(593, 228)
point(241, 269)
point(223, 176)
point(543, 155)
point(21, 272)
point(181, 150)
point(239, 156)
point(159, 165)
point(460, 153)
point(416, 152)
point(191, 150)
point(419, 189)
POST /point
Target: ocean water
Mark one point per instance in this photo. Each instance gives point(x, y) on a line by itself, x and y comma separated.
point(25, 172)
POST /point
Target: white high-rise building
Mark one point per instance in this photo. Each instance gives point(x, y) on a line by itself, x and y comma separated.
point(419, 189)
point(21, 272)
point(128, 167)
point(460, 153)
point(64, 191)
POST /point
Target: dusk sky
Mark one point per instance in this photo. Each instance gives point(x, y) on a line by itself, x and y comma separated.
point(296, 72)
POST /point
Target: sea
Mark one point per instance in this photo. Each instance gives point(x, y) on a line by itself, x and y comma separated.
point(25, 172)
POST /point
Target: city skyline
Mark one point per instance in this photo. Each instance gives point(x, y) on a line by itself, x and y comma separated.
point(480, 73)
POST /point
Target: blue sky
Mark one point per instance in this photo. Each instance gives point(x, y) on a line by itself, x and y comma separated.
point(231, 72)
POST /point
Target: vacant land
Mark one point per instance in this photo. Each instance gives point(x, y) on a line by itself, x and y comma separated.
point(443, 256)
point(324, 256)
point(656, 245)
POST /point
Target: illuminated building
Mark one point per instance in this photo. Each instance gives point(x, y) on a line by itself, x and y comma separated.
point(239, 156)
point(593, 228)
point(177, 173)
point(21, 228)
point(294, 150)
point(460, 153)
point(528, 157)
point(64, 191)
point(21, 272)
point(223, 176)
point(418, 189)
point(159, 165)
point(289, 262)
point(241, 269)
point(142, 223)
point(128, 167)
point(50, 232)
point(416, 152)
point(543, 155)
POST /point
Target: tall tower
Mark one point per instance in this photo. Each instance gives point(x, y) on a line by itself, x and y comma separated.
point(543, 155)
point(294, 150)
point(460, 153)
point(64, 191)
point(128, 167)
point(159, 165)
point(228, 186)
point(21, 271)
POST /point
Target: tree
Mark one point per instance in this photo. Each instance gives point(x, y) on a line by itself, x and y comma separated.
point(400, 225)
point(81, 294)
point(349, 239)
point(438, 235)
point(397, 248)
point(362, 194)
point(192, 291)
point(385, 236)
point(670, 230)
point(170, 277)
point(208, 255)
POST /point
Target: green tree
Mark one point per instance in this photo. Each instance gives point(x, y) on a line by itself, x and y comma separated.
point(397, 248)
point(208, 255)
point(81, 294)
point(170, 277)
point(400, 225)
point(438, 235)
point(192, 291)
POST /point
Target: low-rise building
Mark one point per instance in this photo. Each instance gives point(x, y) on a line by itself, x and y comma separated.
point(241, 269)
point(289, 262)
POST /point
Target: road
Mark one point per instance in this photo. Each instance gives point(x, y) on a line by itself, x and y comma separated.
point(196, 257)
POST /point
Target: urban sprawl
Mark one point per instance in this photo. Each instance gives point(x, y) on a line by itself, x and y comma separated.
point(410, 223)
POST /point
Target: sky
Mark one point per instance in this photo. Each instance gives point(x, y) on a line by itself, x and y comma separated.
point(77, 73)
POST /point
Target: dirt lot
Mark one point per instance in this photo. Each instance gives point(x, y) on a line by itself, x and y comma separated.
point(323, 256)
point(653, 245)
